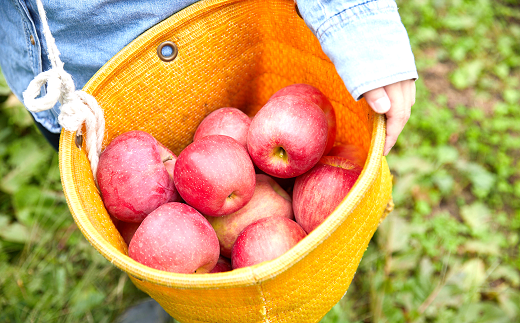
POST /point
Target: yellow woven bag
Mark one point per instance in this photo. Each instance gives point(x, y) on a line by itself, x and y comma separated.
point(232, 53)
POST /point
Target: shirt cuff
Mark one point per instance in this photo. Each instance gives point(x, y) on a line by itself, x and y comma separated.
point(366, 41)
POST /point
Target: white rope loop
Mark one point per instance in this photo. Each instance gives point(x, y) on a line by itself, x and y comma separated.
point(52, 79)
point(77, 107)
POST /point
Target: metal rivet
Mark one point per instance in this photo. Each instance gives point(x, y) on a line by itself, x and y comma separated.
point(170, 57)
point(79, 140)
point(32, 40)
point(297, 10)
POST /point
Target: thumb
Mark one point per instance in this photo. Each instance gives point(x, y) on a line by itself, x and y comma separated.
point(378, 100)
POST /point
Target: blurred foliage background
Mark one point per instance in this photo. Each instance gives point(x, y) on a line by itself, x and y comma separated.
point(449, 252)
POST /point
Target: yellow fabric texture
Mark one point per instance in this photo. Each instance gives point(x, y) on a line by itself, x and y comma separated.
point(232, 54)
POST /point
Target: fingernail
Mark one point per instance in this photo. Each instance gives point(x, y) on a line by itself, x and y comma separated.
point(382, 105)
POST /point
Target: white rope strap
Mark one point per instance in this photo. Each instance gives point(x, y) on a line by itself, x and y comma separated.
point(77, 107)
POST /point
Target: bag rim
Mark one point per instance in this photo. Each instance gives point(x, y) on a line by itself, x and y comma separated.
point(242, 277)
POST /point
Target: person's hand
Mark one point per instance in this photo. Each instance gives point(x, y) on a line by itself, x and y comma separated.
point(394, 100)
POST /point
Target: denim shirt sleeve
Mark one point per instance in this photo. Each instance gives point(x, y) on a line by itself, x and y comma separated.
point(364, 39)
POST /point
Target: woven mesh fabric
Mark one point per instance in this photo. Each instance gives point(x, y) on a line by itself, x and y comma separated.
point(232, 53)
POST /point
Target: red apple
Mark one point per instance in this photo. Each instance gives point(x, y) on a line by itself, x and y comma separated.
point(268, 200)
point(354, 153)
point(318, 192)
point(175, 238)
point(127, 230)
point(225, 121)
point(169, 160)
point(223, 265)
point(135, 176)
point(286, 184)
point(287, 136)
point(314, 95)
point(215, 175)
point(264, 240)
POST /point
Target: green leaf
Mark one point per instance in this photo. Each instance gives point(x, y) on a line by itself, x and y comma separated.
point(512, 96)
point(33, 204)
point(86, 300)
point(509, 301)
point(490, 313)
point(337, 314)
point(26, 158)
point(422, 207)
point(516, 188)
point(426, 269)
point(483, 247)
point(502, 70)
point(477, 216)
point(394, 234)
point(426, 34)
point(481, 179)
point(410, 163)
point(402, 187)
point(403, 262)
point(508, 273)
point(506, 45)
point(447, 154)
point(15, 232)
point(473, 274)
point(25, 202)
point(444, 181)
point(467, 75)
point(17, 113)
point(459, 22)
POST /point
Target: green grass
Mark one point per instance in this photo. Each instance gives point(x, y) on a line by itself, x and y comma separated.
point(449, 252)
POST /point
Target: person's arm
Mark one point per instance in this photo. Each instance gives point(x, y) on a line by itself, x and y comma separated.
point(370, 49)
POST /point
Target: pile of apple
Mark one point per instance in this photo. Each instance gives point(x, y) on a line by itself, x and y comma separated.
point(243, 192)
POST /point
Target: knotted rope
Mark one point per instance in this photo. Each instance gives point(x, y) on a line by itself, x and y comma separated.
point(77, 107)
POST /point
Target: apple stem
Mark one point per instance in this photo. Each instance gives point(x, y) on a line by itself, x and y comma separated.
point(169, 157)
point(281, 153)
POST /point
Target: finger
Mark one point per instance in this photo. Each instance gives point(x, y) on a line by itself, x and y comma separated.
point(412, 88)
point(409, 92)
point(378, 100)
point(397, 116)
